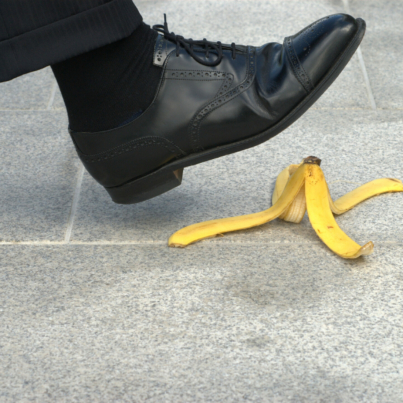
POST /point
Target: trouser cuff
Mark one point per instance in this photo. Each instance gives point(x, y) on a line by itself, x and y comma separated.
point(67, 38)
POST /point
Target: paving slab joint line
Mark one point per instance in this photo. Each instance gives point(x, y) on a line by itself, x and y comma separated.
point(52, 96)
point(362, 65)
point(164, 243)
point(74, 204)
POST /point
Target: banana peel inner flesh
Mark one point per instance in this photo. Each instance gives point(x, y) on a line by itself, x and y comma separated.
point(299, 188)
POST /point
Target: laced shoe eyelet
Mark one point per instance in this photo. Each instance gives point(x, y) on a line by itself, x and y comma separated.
point(189, 44)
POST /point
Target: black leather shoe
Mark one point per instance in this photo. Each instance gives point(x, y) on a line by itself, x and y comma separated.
point(214, 100)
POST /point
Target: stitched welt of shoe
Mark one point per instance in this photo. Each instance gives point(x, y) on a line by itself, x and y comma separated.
point(130, 147)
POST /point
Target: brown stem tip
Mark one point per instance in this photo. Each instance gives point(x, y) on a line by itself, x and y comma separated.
point(312, 160)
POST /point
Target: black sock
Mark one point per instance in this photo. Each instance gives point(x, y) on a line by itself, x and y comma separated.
point(107, 87)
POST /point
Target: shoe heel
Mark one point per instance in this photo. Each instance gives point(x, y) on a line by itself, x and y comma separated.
point(146, 188)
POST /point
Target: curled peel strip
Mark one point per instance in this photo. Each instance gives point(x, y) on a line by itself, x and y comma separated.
point(212, 228)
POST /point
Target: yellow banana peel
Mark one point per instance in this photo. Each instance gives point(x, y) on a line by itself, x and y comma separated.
point(364, 192)
point(322, 220)
point(212, 228)
point(299, 188)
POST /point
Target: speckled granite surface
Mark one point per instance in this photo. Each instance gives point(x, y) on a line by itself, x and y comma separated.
point(95, 307)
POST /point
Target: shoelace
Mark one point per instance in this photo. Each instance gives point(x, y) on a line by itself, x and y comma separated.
point(188, 45)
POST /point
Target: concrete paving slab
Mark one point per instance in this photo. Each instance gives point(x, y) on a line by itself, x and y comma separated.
point(31, 91)
point(347, 92)
point(256, 23)
point(38, 172)
point(268, 314)
point(283, 323)
point(58, 103)
point(355, 146)
point(382, 49)
point(238, 21)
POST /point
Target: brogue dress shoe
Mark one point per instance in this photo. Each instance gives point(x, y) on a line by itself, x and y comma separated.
point(215, 99)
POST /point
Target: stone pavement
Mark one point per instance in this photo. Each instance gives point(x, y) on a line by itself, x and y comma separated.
point(95, 307)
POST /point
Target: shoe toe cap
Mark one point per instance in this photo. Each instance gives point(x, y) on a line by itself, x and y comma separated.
point(319, 45)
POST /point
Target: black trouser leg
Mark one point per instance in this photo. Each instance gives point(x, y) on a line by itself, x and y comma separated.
point(37, 33)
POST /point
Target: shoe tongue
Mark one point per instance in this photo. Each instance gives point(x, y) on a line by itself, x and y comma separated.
point(239, 48)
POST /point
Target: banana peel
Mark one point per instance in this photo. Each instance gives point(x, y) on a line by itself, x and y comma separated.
point(299, 188)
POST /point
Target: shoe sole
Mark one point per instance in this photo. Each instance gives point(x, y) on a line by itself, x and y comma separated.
point(170, 176)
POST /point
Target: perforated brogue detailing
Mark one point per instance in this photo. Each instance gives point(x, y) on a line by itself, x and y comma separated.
point(296, 65)
point(222, 98)
point(310, 33)
point(161, 51)
point(229, 78)
point(195, 75)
